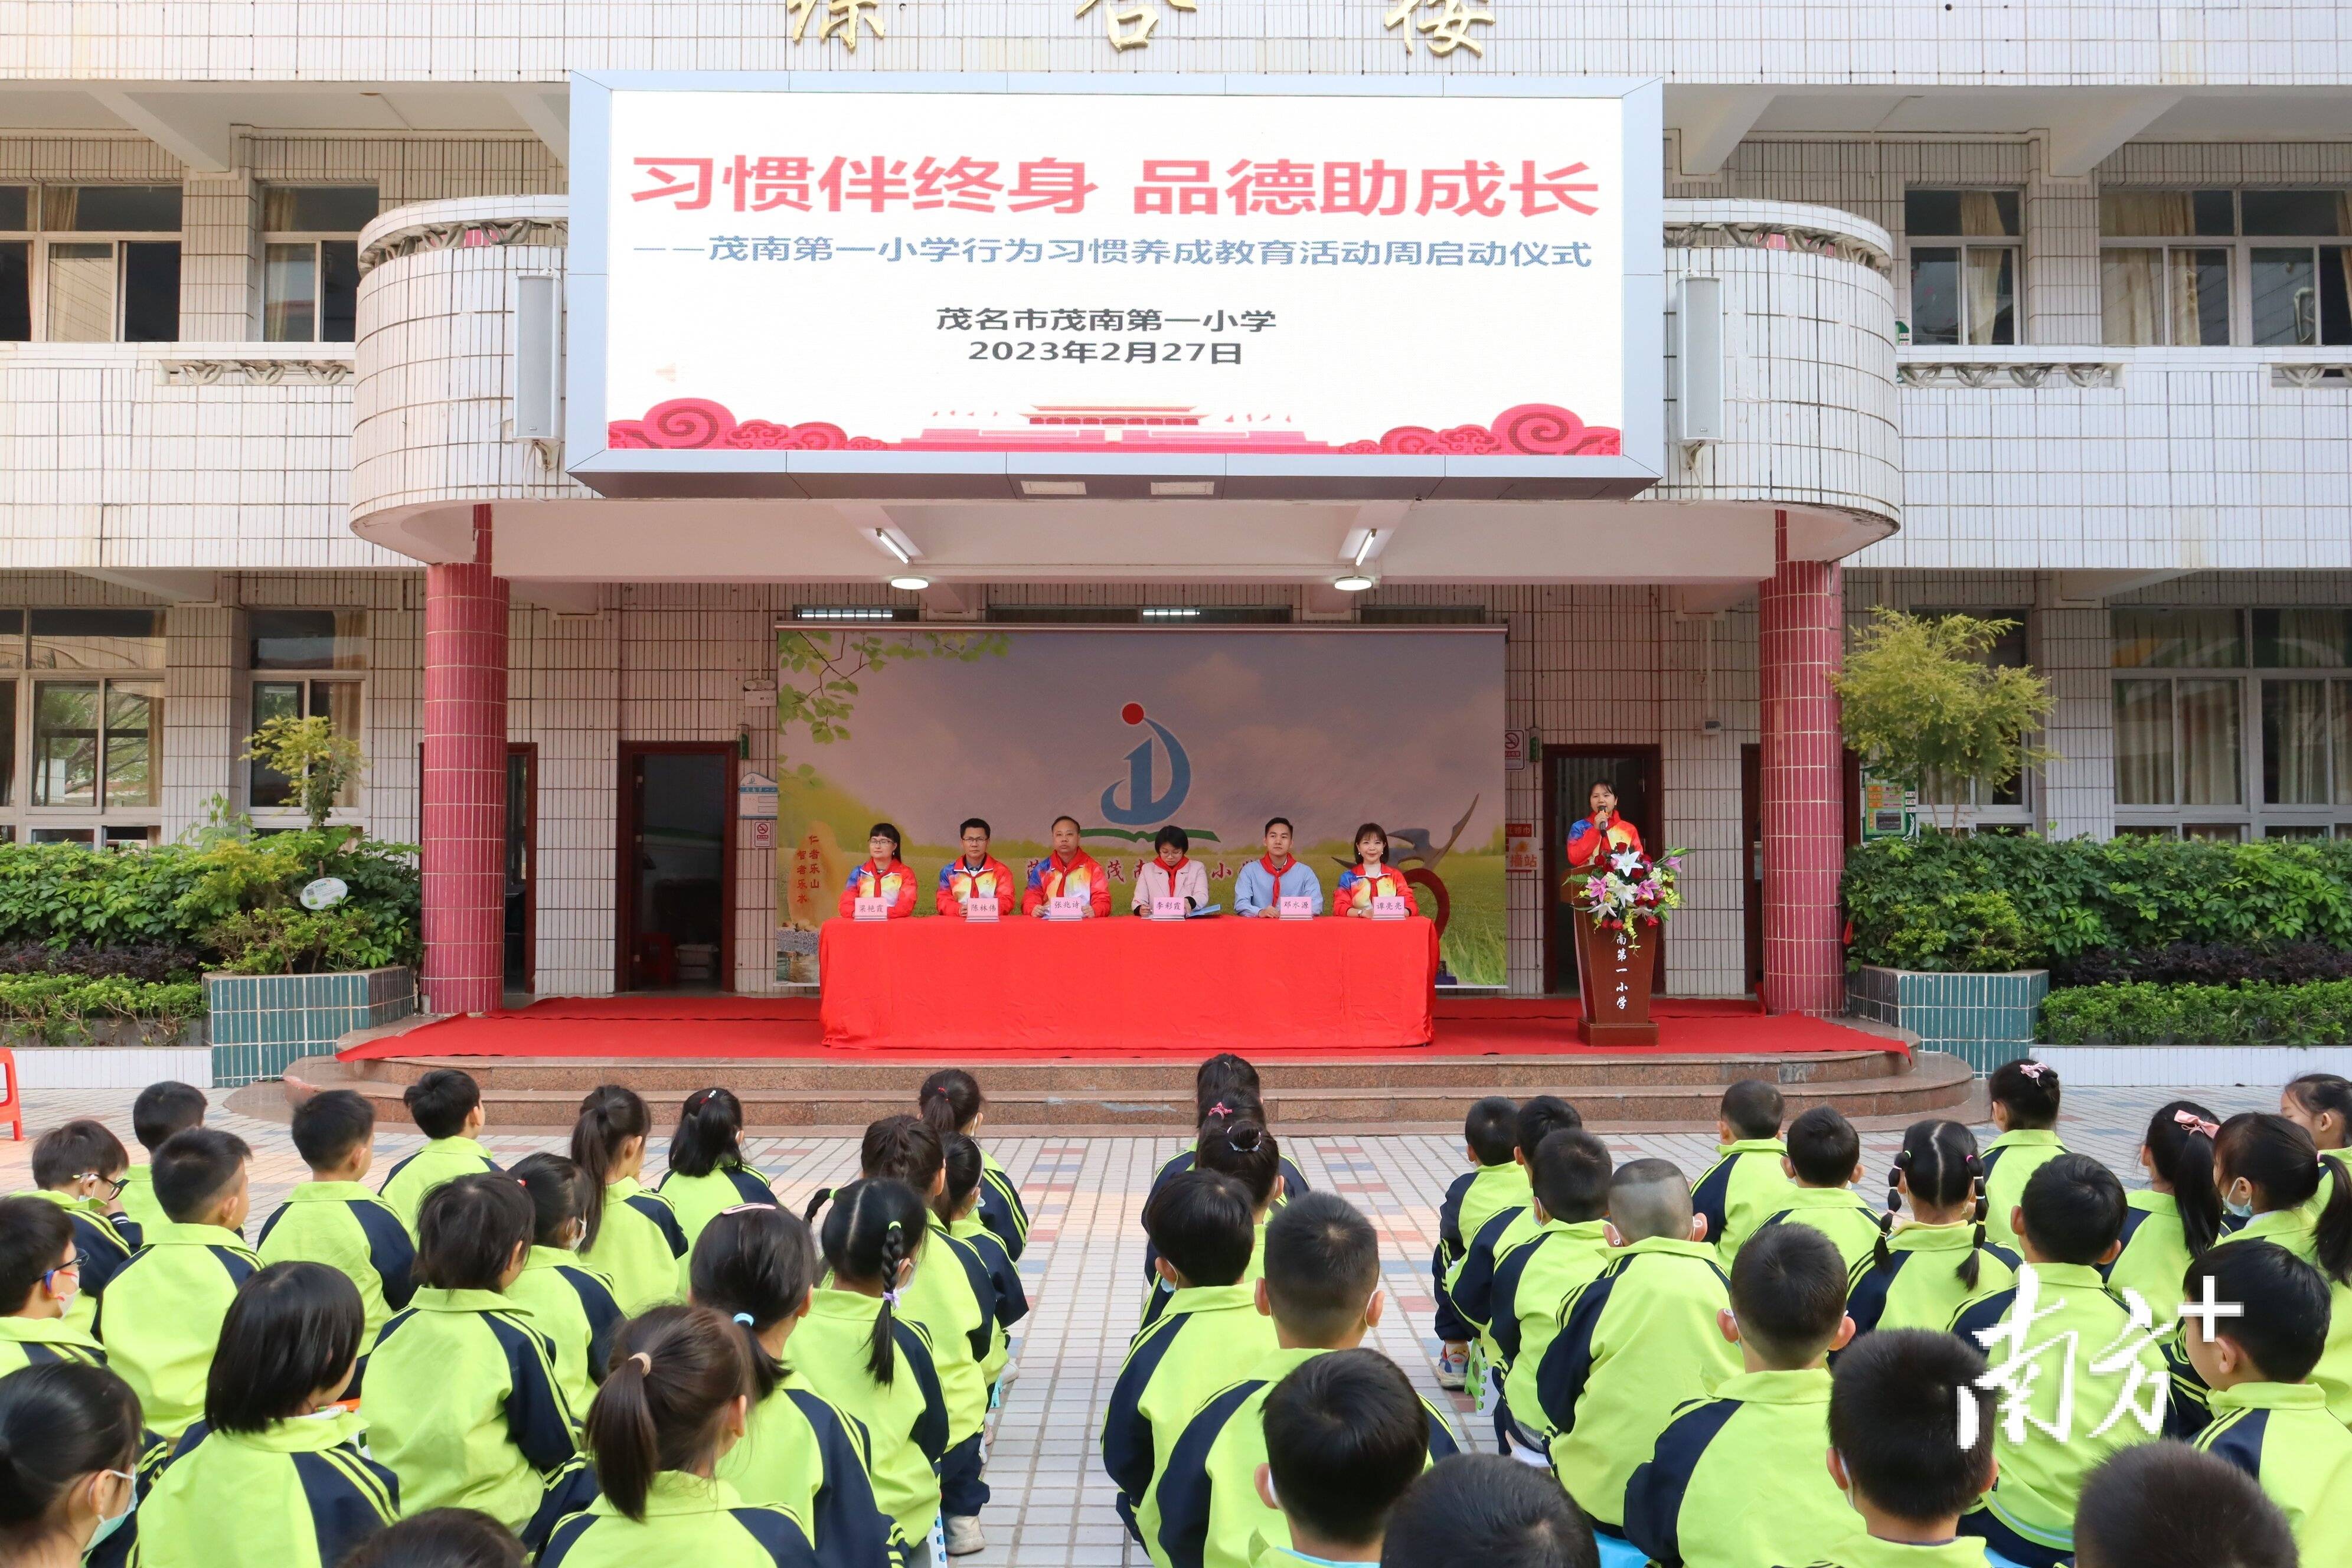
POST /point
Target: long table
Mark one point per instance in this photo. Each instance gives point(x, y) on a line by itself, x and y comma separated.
point(1127, 983)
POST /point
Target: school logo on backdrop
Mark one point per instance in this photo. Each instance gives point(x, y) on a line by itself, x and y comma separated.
point(1145, 805)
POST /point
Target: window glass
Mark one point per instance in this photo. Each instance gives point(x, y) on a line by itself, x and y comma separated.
point(12, 640)
point(339, 700)
point(2302, 639)
point(2340, 742)
point(1931, 212)
point(2128, 313)
point(2143, 712)
point(2146, 214)
point(2336, 294)
point(2285, 289)
point(2174, 639)
point(15, 291)
point(1975, 214)
point(15, 207)
point(112, 209)
point(98, 639)
point(2294, 211)
point(151, 291)
point(60, 836)
point(2200, 298)
point(2215, 831)
point(1935, 294)
point(308, 640)
point(289, 293)
point(64, 743)
point(1992, 294)
point(2215, 212)
point(81, 292)
point(8, 743)
point(318, 209)
point(273, 699)
point(2295, 743)
point(134, 744)
point(2213, 762)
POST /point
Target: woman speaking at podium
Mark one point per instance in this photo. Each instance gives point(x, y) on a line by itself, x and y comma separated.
point(1372, 876)
point(883, 876)
point(1605, 833)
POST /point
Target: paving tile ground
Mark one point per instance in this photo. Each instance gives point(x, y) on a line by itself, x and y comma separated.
point(1052, 1507)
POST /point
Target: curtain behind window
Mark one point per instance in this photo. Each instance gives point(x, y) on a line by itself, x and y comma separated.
point(2145, 215)
point(2128, 296)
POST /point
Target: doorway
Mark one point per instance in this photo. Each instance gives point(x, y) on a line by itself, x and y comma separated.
point(1569, 774)
point(522, 868)
point(676, 893)
point(1751, 843)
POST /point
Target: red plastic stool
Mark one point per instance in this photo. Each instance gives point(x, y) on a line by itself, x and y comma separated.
point(12, 1104)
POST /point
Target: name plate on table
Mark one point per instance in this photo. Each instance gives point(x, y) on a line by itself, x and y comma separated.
point(1390, 908)
point(870, 910)
point(1300, 908)
point(1168, 909)
point(1066, 909)
point(981, 911)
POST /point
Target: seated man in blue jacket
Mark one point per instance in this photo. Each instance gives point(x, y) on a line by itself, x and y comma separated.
point(1265, 882)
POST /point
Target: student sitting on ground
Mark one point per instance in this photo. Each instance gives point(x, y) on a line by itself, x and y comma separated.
point(274, 1443)
point(708, 1172)
point(950, 1102)
point(1566, 1251)
point(1824, 1161)
point(671, 1408)
point(758, 1266)
point(1761, 1431)
point(2025, 1096)
point(463, 1400)
point(446, 1106)
point(570, 1304)
point(1472, 1282)
point(632, 1236)
point(2172, 1223)
point(333, 1219)
point(1322, 1288)
point(441, 1538)
point(2266, 1166)
point(68, 1439)
point(1635, 1344)
point(1202, 1227)
point(159, 1332)
point(80, 1167)
point(2268, 1418)
point(1482, 1510)
point(1224, 1088)
point(2071, 1220)
point(1749, 1181)
point(1495, 1182)
point(39, 1281)
point(1345, 1434)
point(160, 1110)
point(2162, 1505)
point(958, 1208)
point(1894, 1450)
point(1233, 1153)
point(1938, 1260)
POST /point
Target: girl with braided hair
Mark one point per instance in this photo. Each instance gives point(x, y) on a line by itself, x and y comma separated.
point(2170, 1224)
point(1925, 1270)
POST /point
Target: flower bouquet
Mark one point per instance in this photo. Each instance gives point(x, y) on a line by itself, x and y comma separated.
point(1632, 892)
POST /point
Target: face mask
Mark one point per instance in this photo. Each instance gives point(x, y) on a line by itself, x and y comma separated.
point(107, 1527)
point(2240, 1210)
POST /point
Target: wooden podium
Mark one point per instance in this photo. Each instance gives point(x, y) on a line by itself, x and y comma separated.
point(1613, 980)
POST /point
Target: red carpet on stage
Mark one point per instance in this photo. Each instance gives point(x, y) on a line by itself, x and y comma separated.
point(703, 1028)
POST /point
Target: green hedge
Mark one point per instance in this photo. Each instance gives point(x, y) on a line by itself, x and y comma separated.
point(2141, 1014)
point(2003, 901)
point(60, 1008)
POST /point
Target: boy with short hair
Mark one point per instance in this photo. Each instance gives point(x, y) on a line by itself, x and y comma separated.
point(1321, 1288)
point(1472, 1282)
point(2162, 1505)
point(1494, 1182)
point(1568, 1249)
point(1895, 1450)
point(1749, 1178)
point(162, 1317)
point(1482, 1510)
point(2268, 1418)
point(2071, 1224)
point(37, 1286)
point(1202, 1225)
point(1760, 1428)
point(1635, 1344)
point(80, 1167)
point(333, 1219)
point(1345, 1434)
point(446, 1106)
point(160, 1110)
point(1824, 1161)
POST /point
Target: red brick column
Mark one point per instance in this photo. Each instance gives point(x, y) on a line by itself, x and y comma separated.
point(1801, 646)
point(464, 816)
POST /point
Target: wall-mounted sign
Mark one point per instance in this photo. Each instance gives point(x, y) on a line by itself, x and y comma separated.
point(755, 796)
point(1516, 743)
point(1522, 850)
point(902, 285)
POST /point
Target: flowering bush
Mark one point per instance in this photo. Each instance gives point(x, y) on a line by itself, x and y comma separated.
point(1629, 892)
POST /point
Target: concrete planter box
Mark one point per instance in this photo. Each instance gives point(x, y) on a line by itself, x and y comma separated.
point(119, 1053)
point(260, 1023)
point(1984, 1019)
point(2168, 1067)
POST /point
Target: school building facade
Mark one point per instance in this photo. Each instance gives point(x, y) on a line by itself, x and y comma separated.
point(2054, 326)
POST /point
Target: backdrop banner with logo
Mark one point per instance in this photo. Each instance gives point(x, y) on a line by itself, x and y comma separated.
point(1214, 730)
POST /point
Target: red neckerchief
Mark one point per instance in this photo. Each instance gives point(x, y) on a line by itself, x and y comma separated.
point(1267, 861)
point(1062, 871)
point(1182, 861)
point(1374, 875)
point(970, 873)
point(876, 872)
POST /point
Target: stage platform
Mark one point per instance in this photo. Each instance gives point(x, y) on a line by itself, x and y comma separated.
point(535, 1062)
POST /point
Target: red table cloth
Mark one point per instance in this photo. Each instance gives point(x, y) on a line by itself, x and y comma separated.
point(1127, 985)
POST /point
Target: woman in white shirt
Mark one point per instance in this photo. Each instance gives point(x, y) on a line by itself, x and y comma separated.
point(1171, 873)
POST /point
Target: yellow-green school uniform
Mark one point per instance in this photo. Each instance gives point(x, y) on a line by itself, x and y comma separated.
point(698, 1200)
point(950, 1296)
point(1173, 1364)
point(352, 1231)
point(140, 1205)
point(2282, 1435)
point(1491, 1190)
point(161, 1318)
point(572, 1307)
point(1746, 1183)
point(1760, 1434)
point(301, 1493)
point(1001, 1209)
point(1472, 1287)
point(2154, 1261)
point(1534, 1282)
point(442, 1160)
point(2290, 1229)
point(1157, 1296)
point(2317, 1202)
point(104, 1245)
point(640, 1247)
point(1838, 1213)
point(1920, 1286)
point(688, 1518)
point(1012, 1299)
point(801, 1451)
point(2009, 1161)
point(37, 1341)
point(1864, 1550)
point(906, 1422)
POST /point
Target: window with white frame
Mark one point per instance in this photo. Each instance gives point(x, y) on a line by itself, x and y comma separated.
point(310, 262)
point(15, 264)
point(81, 725)
point(2219, 266)
point(1983, 805)
point(1964, 265)
point(89, 263)
point(306, 663)
point(2233, 724)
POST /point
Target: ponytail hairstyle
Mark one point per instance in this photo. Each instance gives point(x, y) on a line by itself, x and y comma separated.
point(1221, 1076)
point(2319, 1094)
point(609, 1117)
point(757, 1265)
point(60, 1422)
point(950, 1101)
point(902, 1149)
point(2279, 1158)
point(1243, 1149)
point(555, 1186)
point(2180, 1147)
point(1939, 1162)
point(662, 1403)
point(2028, 1090)
point(962, 1165)
point(710, 1134)
point(875, 1225)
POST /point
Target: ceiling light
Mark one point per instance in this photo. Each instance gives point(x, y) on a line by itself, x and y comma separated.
point(1183, 487)
point(1052, 487)
point(907, 583)
point(1364, 550)
point(882, 537)
point(1354, 583)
